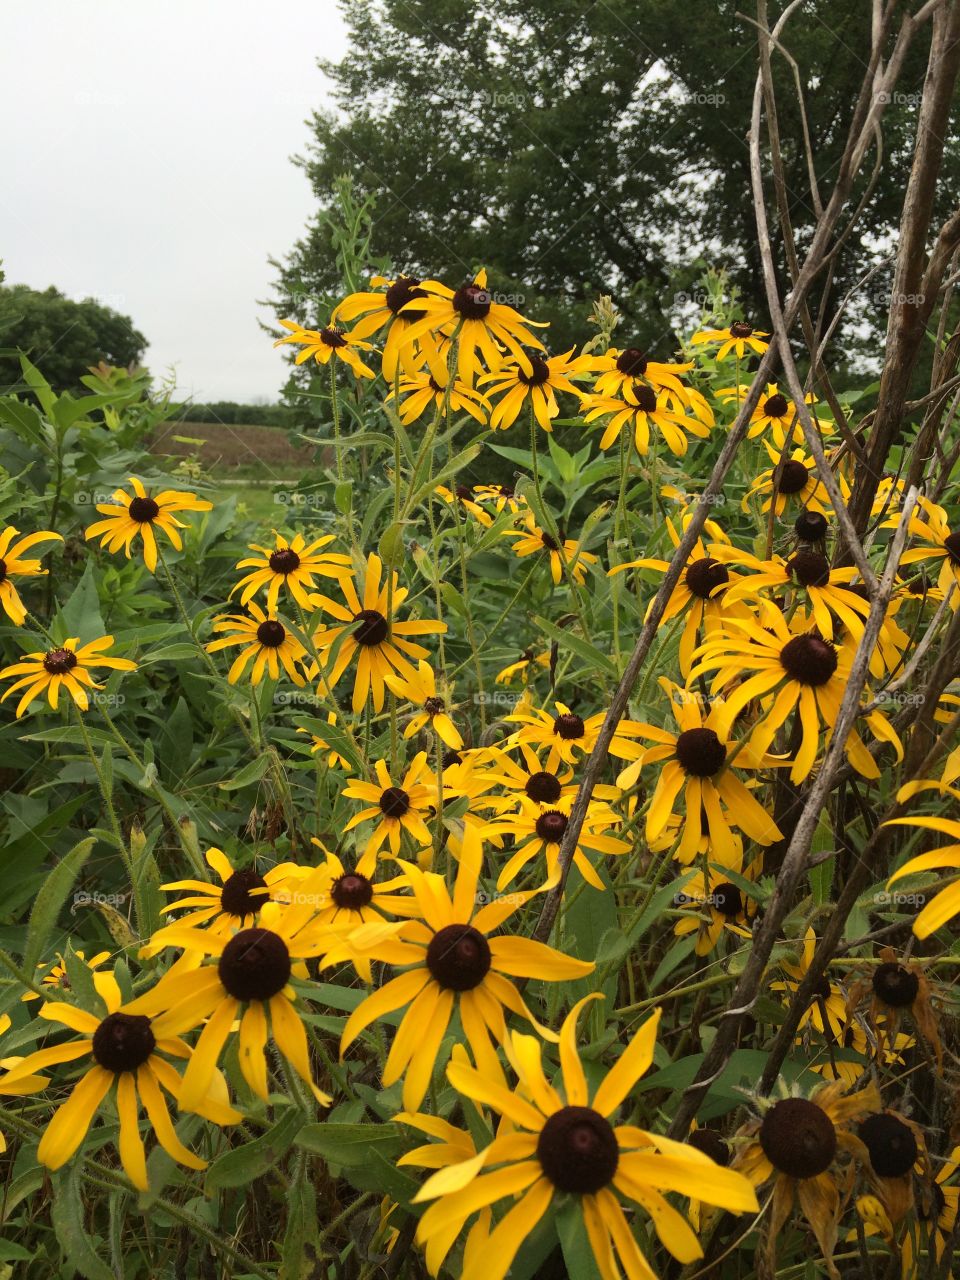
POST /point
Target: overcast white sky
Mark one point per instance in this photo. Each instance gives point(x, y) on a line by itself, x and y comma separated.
point(146, 162)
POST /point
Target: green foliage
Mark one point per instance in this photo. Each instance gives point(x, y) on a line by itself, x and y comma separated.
point(65, 336)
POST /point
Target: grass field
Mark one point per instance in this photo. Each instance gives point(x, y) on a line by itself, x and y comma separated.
point(252, 461)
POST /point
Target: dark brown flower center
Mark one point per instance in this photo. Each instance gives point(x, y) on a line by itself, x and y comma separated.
point(569, 726)
point(810, 568)
point(711, 1144)
point(458, 957)
point(332, 338)
point(351, 892)
point(810, 526)
point(123, 1042)
point(371, 627)
point(394, 802)
point(952, 544)
point(539, 372)
point(543, 787)
point(700, 752)
point(451, 757)
point(3, 570)
point(809, 659)
point(284, 561)
point(891, 1143)
point(632, 362)
point(793, 478)
point(551, 826)
point(143, 510)
point(706, 576)
point(645, 397)
point(798, 1138)
point(578, 1150)
point(472, 302)
point(894, 985)
point(549, 541)
point(775, 406)
point(462, 492)
point(402, 291)
point(60, 661)
point(727, 900)
point(433, 706)
point(254, 965)
point(271, 634)
point(740, 330)
point(237, 897)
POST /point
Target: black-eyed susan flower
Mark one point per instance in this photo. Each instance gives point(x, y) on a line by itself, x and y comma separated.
point(265, 641)
point(700, 765)
point(939, 542)
point(798, 1145)
point(431, 707)
point(452, 1146)
point(355, 896)
point(568, 735)
point(515, 385)
point(776, 414)
point(701, 592)
point(324, 345)
point(641, 407)
point(827, 1014)
point(525, 666)
point(249, 979)
point(562, 1140)
point(738, 337)
point(483, 326)
point(894, 988)
point(807, 573)
point(131, 1052)
point(937, 1211)
point(225, 907)
point(383, 306)
point(526, 778)
point(566, 554)
point(56, 974)
point(753, 658)
point(619, 369)
point(500, 496)
point(895, 1146)
point(462, 495)
point(538, 828)
point(371, 632)
point(427, 389)
point(395, 807)
point(293, 565)
point(141, 515)
point(450, 962)
point(798, 485)
point(65, 667)
point(711, 905)
point(318, 742)
point(13, 566)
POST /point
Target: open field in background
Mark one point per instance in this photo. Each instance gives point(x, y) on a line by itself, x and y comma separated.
point(251, 460)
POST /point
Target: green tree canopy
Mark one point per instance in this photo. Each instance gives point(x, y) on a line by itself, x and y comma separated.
point(576, 149)
point(63, 337)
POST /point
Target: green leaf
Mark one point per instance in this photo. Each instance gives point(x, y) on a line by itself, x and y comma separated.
point(582, 648)
point(577, 1252)
point(23, 420)
point(80, 616)
point(50, 898)
point(67, 1216)
point(240, 1166)
point(249, 773)
point(346, 1145)
point(39, 386)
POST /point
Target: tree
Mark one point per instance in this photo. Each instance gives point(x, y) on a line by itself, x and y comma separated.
point(576, 149)
point(63, 337)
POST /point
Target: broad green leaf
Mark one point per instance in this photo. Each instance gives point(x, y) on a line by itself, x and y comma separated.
point(67, 1215)
point(50, 899)
point(238, 1167)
